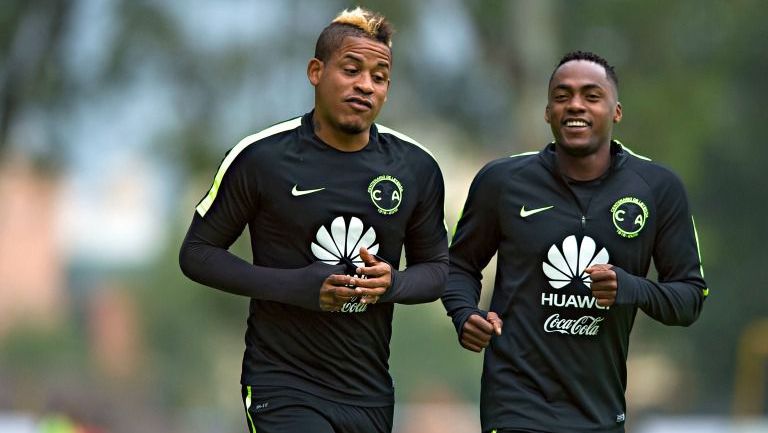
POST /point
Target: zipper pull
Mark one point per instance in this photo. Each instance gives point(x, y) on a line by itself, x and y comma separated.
point(583, 221)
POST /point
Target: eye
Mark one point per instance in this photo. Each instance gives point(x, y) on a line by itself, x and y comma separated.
point(560, 97)
point(592, 97)
point(350, 70)
point(379, 78)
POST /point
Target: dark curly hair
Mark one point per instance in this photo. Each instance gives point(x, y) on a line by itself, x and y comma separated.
point(589, 57)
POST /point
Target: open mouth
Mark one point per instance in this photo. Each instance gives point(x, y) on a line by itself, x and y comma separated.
point(576, 123)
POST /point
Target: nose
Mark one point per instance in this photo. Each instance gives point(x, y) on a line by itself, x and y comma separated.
point(364, 84)
point(575, 104)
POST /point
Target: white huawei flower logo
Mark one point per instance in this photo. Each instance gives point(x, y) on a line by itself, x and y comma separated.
point(342, 244)
point(569, 264)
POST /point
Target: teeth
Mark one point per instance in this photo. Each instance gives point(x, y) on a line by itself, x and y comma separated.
point(575, 123)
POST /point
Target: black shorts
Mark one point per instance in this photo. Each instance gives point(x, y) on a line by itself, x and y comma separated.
point(286, 410)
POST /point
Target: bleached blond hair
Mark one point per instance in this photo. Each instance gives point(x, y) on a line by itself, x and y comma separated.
point(357, 22)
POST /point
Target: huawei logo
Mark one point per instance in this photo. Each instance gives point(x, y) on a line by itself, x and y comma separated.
point(341, 244)
point(567, 264)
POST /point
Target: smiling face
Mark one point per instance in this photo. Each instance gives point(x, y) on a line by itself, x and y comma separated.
point(582, 108)
point(350, 87)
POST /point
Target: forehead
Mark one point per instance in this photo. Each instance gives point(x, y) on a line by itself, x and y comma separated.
point(368, 49)
point(581, 73)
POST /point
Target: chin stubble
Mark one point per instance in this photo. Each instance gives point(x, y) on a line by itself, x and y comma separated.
point(580, 151)
point(351, 128)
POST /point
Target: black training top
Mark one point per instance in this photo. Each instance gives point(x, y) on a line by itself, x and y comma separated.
point(560, 363)
point(309, 208)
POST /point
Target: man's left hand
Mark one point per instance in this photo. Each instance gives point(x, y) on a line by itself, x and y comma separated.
point(604, 284)
point(379, 278)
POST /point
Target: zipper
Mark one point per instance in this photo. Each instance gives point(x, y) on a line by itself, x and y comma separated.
point(577, 202)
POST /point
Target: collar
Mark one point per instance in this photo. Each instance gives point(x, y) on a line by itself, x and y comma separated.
point(548, 157)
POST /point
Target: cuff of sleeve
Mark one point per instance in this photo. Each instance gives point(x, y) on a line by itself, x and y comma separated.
point(461, 317)
point(387, 296)
point(627, 288)
point(314, 275)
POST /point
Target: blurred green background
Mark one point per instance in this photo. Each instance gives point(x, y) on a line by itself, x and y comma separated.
point(114, 115)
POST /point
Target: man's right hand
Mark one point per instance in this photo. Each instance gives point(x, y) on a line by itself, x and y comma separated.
point(335, 292)
point(477, 331)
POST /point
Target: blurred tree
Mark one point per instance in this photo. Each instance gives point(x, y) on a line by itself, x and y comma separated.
point(31, 76)
point(473, 74)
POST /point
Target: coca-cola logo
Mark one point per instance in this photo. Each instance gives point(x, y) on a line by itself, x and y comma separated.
point(584, 325)
point(354, 306)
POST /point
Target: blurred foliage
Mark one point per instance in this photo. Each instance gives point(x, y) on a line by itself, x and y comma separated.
point(691, 83)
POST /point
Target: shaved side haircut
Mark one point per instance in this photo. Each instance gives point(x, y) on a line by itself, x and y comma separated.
point(357, 22)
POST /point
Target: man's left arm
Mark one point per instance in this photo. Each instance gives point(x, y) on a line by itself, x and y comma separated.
point(426, 251)
point(678, 296)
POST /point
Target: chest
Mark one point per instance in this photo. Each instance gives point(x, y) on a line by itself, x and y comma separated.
point(615, 223)
point(338, 203)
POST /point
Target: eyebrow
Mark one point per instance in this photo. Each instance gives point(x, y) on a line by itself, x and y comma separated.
point(359, 59)
point(586, 87)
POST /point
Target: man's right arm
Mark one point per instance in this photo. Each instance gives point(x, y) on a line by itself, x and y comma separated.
point(219, 220)
point(474, 243)
point(204, 258)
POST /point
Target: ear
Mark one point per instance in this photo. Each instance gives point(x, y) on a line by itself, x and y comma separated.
point(315, 71)
point(617, 115)
point(546, 114)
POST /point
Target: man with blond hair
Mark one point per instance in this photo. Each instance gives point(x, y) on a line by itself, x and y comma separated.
point(330, 200)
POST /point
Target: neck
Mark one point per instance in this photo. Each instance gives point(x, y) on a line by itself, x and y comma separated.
point(337, 139)
point(584, 168)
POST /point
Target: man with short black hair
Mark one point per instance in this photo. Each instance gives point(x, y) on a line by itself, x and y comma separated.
point(575, 226)
point(330, 200)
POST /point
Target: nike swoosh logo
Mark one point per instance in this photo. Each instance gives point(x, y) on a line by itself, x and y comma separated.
point(297, 192)
point(526, 213)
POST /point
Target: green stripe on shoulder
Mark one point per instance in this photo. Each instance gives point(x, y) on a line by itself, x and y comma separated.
point(385, 130)
point(631, 152)
point(400, 135)
point(207, 201)
point(524, 154)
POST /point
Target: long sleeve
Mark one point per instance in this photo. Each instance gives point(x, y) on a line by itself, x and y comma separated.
point(419, 283)
point(474, 243)
point(426, 249)
point(678, 296)
point(204, 258)
point(219, 220)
